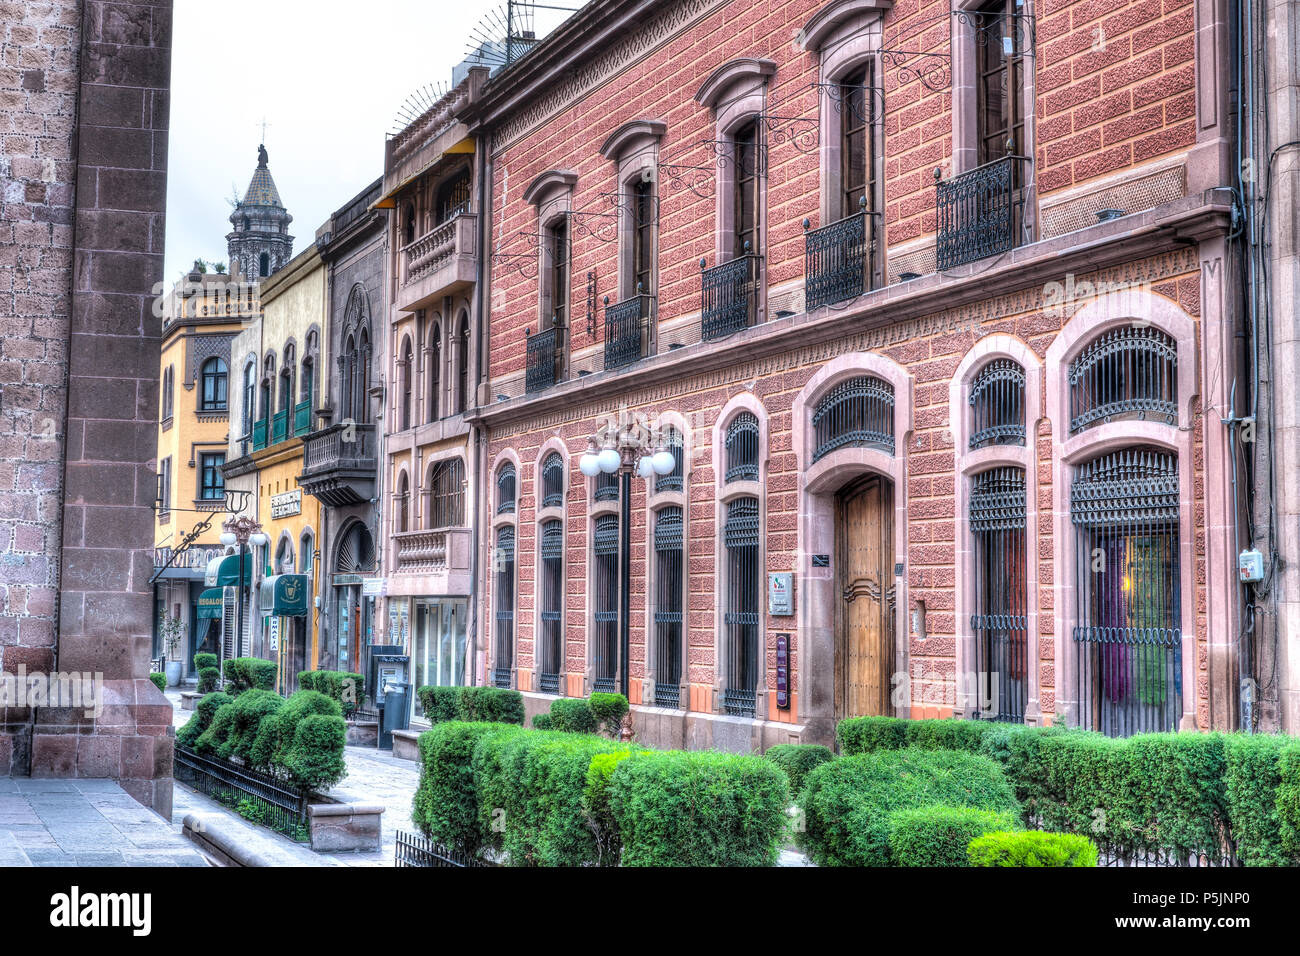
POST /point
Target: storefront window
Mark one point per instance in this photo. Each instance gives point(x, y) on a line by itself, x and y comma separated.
point(438, 646)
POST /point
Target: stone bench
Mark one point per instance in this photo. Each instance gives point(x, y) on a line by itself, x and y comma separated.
point(189, 698)
point(363, 733)
point(406, 744)
point(345, 826)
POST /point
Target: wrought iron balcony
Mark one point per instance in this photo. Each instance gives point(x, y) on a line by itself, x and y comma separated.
point(259, 435)
point(543, 369)
point(626, 330)
point(302, 418)
point(339, 464)
point(980, 212)
point(837, 260)
point(729, 296)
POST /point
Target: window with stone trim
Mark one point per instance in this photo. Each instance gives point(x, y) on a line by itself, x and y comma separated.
point(669, 606)
point(503, 562)
point(212, 484)
point(605, 597)
point(741, 615)
point(997, 403)
point(550, 623)
point(998, 509)
point(507, 489)
point(552, 481)
point(446, 495)
point(741, 448)
point(212, 394)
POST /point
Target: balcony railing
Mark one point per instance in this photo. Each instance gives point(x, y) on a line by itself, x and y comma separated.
point(626, 328)
point(543, 359)
point(345, 445)
point(441, 550)
point(280, 426)
point(302, 418)
point(979, 212)
point(456, 236)
point(729, 297)
point(259, 435)
point(836, 261)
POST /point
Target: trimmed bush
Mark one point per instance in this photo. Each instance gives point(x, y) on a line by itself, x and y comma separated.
point(249, 673)
point(209, 680)
point(542, 722)
point(201, 719)
point(235, 727)
point(1288, 797)
point(595, 804)
point(275, 735)
point(484, 704)
point(1252, 777)
point(798, 760)
point(159, 681)
point(446, 804)
point(315, 761)
point(862, 735)
point(1032, 848)
point(573, 715)
point(440, 704)
point(699, 808)
point(609, 710)
point(846, 802)
point(347, 688)
point(204, 659)
point(939, 836)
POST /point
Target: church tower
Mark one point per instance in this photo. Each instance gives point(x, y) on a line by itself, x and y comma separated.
point(260, 244)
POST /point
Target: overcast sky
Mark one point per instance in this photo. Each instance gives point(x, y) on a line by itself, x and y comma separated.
point(329, 77)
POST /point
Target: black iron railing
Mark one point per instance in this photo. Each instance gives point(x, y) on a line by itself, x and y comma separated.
point(543, 359)
point(979, 212)
point(856, 412)
point(997, 401)
point(729, 297)
point(1000, 624)
point(1132, 370)
point(837, 261)
point(626, 328)
point(256, 796)
point(413, 849)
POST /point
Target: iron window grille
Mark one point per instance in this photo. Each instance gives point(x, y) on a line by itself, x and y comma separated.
point(729, 296)
point(550, 650)
point(212, 485)
point(606, 487)
point(740, 534)
point(625, 330)
point(543, 351)
point(553, 481)
point(447, 494)
point(836, 260)
point(858, 412)
point(741, 446)
point(504, 561)
point(1128, 372)
point(999, 624)
point(1124, 506)
point(997, 401)
point(506, 489)
point(979, 212)
point(669, 551)
point(453, 196)
point(605, 605)
point(675, 479)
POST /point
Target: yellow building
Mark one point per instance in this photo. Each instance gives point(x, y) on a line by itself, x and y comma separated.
point(201, 315)
point(278, 361)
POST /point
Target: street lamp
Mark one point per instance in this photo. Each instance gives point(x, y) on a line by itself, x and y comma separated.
point(626, 449)
point(241, 531)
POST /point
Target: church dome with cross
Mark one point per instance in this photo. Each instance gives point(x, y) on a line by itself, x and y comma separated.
point(260, 244)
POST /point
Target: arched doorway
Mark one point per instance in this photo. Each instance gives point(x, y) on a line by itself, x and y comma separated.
point(354, 557)
point(865, 598)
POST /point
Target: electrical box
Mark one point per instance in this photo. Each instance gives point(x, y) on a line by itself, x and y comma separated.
point(1250, 566)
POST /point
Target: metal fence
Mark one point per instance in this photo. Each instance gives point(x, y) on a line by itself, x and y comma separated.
point(256, 796)
point(835, 261)
point(413, 849)
point(978, 212)
point(728, 297)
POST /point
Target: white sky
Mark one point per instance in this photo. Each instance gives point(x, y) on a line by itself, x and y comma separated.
point(329, 77)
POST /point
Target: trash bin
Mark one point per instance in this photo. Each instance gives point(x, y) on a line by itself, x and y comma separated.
point(394, 713)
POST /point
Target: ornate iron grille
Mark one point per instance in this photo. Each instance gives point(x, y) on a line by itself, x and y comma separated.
point(605, 604)
point(741, 445)
point(675, 479)
point(504, 562)
point(625, 328)
point(728, 297)
point(414, 849)
point(281, 807)
point(606, 487)
point(506, 489)
point(997, 401)
point(553, 481)
point(1127, 635)
point(740, 535)
point(857, 412)
point(543, 359)
point(1129, 371)
point(669, 545)
point(550, 639)
point(979, 212)
point(836, 261)
point(999, 624)
point(447, 494)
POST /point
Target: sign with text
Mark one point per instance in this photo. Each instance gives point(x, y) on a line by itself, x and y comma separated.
point(286, 504)
point(783, 671)
point(780, 594)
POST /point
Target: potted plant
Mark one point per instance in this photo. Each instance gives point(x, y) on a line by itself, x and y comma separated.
point(172, 629)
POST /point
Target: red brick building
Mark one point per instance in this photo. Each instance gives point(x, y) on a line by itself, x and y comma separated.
point(927, 300)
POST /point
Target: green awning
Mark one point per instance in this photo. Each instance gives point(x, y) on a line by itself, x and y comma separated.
point(211, 603)
point(224, 572)
point(284, 595)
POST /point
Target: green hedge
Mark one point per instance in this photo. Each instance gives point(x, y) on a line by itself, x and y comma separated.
point(573, 715)
point(609, 710)
point(347, 688)
point(209, 672)
point(485, 704)
point(446, 805)
point(204, 659)
point(1252, 776)
point(201, 719)
point(846, 802)
point(1032, 848)
point(159, 681)
point(699, 808)
point(542, 722)
point(249, 673)
point(798, 760)
point(939, 836)
point(1288, 798)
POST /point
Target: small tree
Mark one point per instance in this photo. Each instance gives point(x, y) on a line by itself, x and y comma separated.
point(172, 629)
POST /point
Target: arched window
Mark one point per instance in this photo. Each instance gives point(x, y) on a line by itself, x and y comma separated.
point(307, 381)
point(287, 383)
point(408, 225)
point(462, 364)
point(550, 639)
point(1000, 622)
point(741, 661)
point(1128, 372)
point(605, 604)
point(669, 546)
point(506, 489)
point(213, 396)
point(453, 196)
point(403, 504)
point(1124, 506)
point(168, 394)
point(264, 265)
point(355, 552)
point(606, 487)
point(250, 395)
point(268, 386)
point(674, 480)
point(741, 444)
point(858, 412)
point(435, 370)
point(504, 564)
point(997, 401)
point(284, 556)
point(407, 360)
point(552, 481)
point(361, 400)
point(307, 553)
point(446, 494)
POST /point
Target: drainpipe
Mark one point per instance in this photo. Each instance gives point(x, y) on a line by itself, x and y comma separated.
point(482, 501)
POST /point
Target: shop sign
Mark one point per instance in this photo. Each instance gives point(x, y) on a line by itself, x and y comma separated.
point(286, 504)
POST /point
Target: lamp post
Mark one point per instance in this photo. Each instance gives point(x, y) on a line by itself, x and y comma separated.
point(241, 530)
point(625, 445)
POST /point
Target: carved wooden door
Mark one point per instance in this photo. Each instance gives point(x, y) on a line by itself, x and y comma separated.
point(864, 660)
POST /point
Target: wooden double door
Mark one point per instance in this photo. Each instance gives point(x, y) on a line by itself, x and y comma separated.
point(865, 582)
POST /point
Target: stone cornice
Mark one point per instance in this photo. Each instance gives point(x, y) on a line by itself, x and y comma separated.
point(617, 141)
point(824, 22)
point(729, 74)
point(547, 182)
